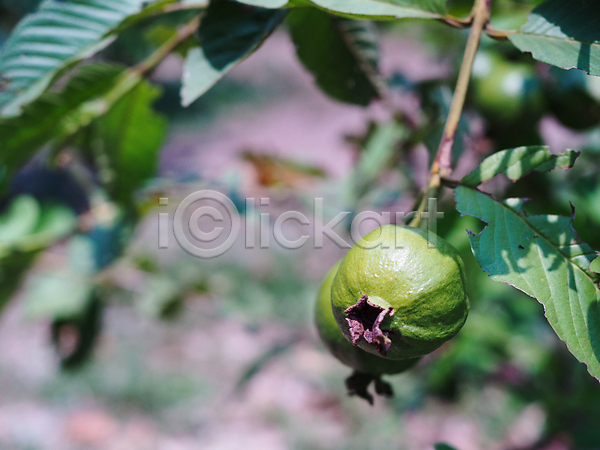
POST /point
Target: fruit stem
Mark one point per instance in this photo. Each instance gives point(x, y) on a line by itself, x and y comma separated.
point(442, 164)
point(358, 384)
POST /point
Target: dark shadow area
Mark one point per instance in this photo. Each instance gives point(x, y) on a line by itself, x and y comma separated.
point(221, 45)
point(567, 16)
point(593, 326)
point(583, 60)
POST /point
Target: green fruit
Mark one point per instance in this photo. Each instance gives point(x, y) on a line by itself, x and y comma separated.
point(403, 298)
point(340, 347)
point(506, 93)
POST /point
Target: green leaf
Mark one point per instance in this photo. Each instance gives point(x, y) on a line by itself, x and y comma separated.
point(384, 9)
point(341, 53)
point(377, 156)
point(62, 293)
point(228, 33)
point(154, 8)
point(58, 35)
point(57, 115)
point(541, 256)
point(563, 33)
point(12, 269)
point(52, 115)
point(82, 249)
point(271, 4)
point(160, 294)
point(129, 138)
point(20, 220)
point(365, 9)
point(442, 446)
point(55, 223)
point(517, 162)
point(379, 151)
point(27, 226)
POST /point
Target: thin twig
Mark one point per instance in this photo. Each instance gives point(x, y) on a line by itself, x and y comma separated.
point(183, 7)
point(442, 164)
point(443, 160)
point(183, 33)
point(133, 76)
point(499, 35)
point(457, 22)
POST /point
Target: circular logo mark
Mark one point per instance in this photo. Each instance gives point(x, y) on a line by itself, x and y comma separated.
point(180, 224)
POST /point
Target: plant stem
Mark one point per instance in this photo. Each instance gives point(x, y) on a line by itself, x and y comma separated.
point(133, 76)
point(183, 33)
point(457, 22)
point(499, 35)
point(442, 164)
point(126, 82)
point(443, 159)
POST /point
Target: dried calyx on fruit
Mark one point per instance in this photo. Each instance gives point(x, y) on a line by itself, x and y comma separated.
point(398, 294)
point(368, 368)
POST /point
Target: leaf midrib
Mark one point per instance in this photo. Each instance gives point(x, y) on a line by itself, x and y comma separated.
point(538, 233)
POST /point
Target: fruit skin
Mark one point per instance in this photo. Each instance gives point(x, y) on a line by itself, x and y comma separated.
point(340, 347)
point(507, 93)
point(510, 96)
point(424, 285)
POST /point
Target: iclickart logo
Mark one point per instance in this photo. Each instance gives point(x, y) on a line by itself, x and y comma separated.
point(223, 225)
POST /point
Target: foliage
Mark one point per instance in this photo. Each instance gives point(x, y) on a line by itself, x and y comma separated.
point(55, 116)
point(539, 255)
point(51, 40)
point(341, 53)
point(26, 228)
point(128, 139)
point(564, 34)
point(69, 106)
point(220, 49)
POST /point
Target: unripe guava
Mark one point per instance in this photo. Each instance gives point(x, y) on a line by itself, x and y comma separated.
point(403, 298)
point(340, 347)
point(506, 93)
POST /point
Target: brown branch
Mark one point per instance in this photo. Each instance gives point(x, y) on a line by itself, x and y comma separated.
point(183, 33)
point(442, 164)
point(499, 35)
point(457, 22)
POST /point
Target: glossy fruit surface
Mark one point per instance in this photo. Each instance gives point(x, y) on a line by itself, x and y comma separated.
point(403, 298)
point(340, 347)
point(506, 92)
